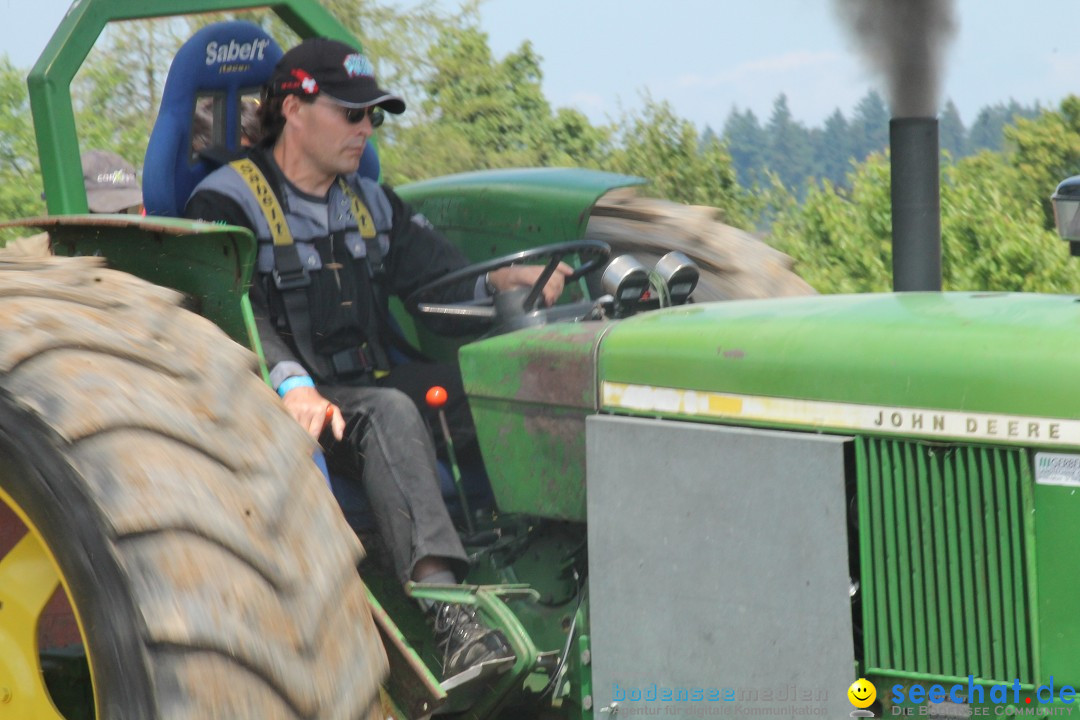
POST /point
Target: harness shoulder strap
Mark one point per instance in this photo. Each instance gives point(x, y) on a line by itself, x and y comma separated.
point(368, 231)
point(366, 224)
point(268, 201)
point(364, 221)
point(289, 274)
point(292, 279)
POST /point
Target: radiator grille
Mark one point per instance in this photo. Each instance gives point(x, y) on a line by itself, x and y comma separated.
point(945, 548)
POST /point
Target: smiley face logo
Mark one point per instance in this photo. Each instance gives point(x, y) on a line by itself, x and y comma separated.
point(862, 693)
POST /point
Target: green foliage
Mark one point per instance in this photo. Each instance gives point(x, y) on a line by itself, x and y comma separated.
point(789, 147)
point(993, 226)
point(988, 130)
point(952, 135)
point(800, 155)
point(479, 112)
point(470, 110)
point(117, 91)
point(20, 177)
point(664, 148)
point(1047, 150)
point(746, 142)
point(992, 236)
point(869, 126)
point(574, 142)
point(427, 150)
point(497, 105)
point(840, 239)
point(834, 153)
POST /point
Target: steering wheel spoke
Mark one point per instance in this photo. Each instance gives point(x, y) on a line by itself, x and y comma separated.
point(533, 299)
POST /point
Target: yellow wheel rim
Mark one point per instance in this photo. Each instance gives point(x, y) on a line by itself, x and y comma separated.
point(29, 577)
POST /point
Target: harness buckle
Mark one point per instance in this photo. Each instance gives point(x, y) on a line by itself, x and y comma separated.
point(291, 279)
point(351, 363)
point(364, 359)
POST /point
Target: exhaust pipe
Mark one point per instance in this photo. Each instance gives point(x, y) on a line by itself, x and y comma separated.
point(916, 204)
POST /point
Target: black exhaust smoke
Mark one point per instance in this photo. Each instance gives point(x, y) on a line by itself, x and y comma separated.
point(916, 204)
point(906, 41)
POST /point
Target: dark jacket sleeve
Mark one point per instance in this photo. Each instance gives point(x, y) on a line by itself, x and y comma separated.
point(419, 253)
point(211, 206)
point(215, 207)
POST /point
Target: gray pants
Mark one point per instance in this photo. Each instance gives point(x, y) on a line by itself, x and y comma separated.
point(388, 445)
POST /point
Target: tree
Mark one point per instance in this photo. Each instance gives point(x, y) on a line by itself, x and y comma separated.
point(746, 142)
point(478, 112)
point(665, 149)
point(993, 234)
point(708, 135)
point(117, 92)
point(869, 126)
point(498, 105)
point(988, 130)
point(952, 134)
point(833, 150)
point(1046, 151)
point(840, 241)
point(575, 142)
point(789, 154)
point(20, 175)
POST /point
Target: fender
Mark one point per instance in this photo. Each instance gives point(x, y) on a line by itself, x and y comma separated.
point(497, 212)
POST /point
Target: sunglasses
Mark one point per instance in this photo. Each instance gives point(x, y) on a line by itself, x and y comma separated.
point(354, 116)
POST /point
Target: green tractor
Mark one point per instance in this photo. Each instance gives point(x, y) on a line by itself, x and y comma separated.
point(695, 508)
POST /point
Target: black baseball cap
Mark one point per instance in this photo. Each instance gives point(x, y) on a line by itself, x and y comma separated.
point(343, 73)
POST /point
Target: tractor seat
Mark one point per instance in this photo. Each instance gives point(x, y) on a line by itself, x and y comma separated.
point(221, 64)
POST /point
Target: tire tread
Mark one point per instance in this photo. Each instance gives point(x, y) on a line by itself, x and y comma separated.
point(240, 564)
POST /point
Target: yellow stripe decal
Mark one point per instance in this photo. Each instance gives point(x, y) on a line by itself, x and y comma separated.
point(906, 421)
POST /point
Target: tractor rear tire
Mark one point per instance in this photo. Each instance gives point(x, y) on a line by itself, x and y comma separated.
point(734, 264)
point(210, 570)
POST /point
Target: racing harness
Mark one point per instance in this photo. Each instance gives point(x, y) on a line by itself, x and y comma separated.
point(292, 280)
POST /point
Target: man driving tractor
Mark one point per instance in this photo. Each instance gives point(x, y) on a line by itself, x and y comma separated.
point(333, 246)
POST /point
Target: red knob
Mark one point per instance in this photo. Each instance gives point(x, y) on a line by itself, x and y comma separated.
point(436, 397)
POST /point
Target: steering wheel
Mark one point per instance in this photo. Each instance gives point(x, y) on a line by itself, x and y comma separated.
point(592, 252)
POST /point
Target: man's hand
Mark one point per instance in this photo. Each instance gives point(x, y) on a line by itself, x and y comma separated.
point(526, 276)
point(313, 411)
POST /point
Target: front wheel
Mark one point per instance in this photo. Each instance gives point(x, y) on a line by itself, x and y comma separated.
point(167, 549)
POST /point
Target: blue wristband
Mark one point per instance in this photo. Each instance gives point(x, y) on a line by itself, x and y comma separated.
point(294, 382)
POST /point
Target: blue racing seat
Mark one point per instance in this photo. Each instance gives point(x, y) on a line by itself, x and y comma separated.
point(224, 61)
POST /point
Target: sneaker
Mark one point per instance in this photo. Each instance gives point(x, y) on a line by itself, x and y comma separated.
point(465, 640)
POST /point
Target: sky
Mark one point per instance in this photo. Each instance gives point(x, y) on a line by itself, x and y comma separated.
point(707, 57)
